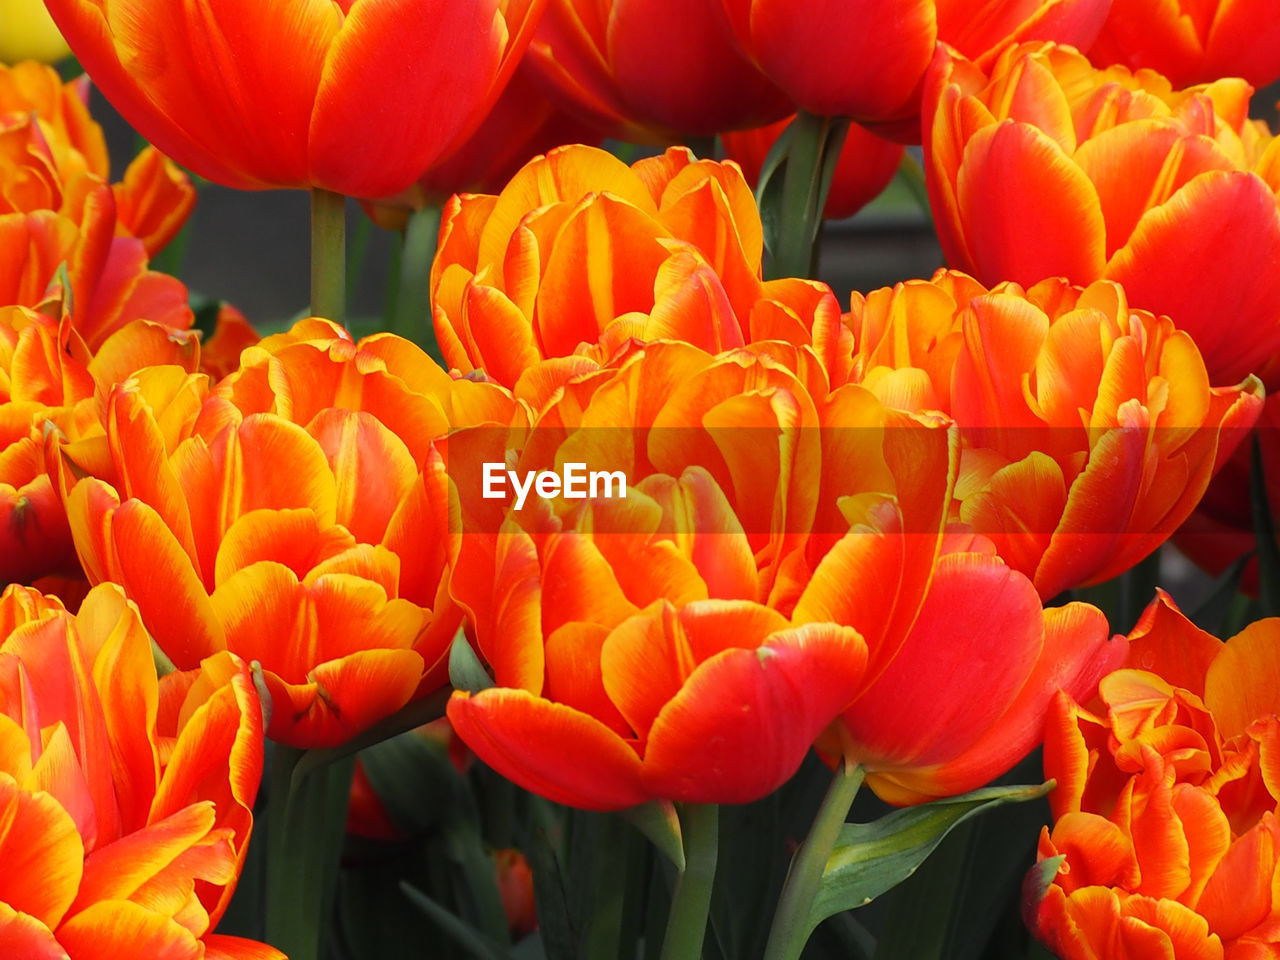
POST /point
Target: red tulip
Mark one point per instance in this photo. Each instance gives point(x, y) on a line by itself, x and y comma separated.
point(357, 97)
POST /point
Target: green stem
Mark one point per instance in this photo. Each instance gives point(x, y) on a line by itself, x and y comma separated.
point(691, 899)
point(328, 255)
point(815, 144)
point(791, 924)
point(412, 318)
point(306, 818)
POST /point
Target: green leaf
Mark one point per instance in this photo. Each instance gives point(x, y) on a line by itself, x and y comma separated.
point(872, 858)
point(555, 920)
point(474, 942)
point(465, 670)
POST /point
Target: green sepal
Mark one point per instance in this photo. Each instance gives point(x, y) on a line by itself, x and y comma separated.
point(466, 672)
point(658, 821)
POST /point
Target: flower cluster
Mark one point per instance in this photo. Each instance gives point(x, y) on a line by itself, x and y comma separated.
point(1165, 838)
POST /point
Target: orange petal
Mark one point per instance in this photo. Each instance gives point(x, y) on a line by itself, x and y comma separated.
point(553, 750)
point(42, 852)
point(718, 740)
point(1029, 211)
point(115, 928)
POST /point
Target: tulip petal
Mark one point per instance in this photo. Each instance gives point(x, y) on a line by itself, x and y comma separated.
point(42, 853)
point(374, 70)
point(1030, 212)
point(719, 740)
point(115, 928)
point(1232, 217)
point(1243, 682)
point(550, 749)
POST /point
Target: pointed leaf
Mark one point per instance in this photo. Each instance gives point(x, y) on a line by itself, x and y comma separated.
point(872, 858)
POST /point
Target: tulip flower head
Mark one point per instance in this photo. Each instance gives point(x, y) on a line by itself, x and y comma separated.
point(644, 647)
point(1165, 833)
point(329, 574)
point(357, 97)
point(1044, 166)
point(1089, 429)
point(580, 255)
point(127, 801)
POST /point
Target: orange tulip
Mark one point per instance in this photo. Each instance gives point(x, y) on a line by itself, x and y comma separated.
point(1165, 809)
point(522, 124)
point(580, 255)
point(49, 383)
point(330, 572)
point(865, 59)
point(127, 801)
point(356, 97)
point(650, 71)
point(1047, 167)
point(1192, 42)
point(867, 163)
point(54, 158)
point(644, 648)
point(1089, 429)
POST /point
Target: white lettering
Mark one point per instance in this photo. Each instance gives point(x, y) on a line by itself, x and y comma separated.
point(609, 477)
point(575, 472)
point(494, 474)
point(575, 483)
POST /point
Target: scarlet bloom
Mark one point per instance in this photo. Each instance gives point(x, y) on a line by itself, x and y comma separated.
point(127, 801)
point(580, 254)
point(650, 71)
point(865, 59)
point(867, 163)
point(363, 95)
point(1165, 809)
point(1090, 430)
point(1192, 42)
point(643, 648)
point(1043, 166)
point(297, 515)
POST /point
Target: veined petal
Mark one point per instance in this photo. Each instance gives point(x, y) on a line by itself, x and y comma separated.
point(719, 740)
point(550, 749)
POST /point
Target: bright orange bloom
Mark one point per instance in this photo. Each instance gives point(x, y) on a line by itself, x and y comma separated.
point(1165, 810)
point(1191, 41)
point(773, 556)
point(867, 163)
point(580, 254)
point(363, 95)
point(865, 59)
point(521, 125)
point(650, 71)
point(1089, 429)
point(127, 801)
point(55, 157)
point(49, 382)
point(1047, 167)
point(296, 515)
